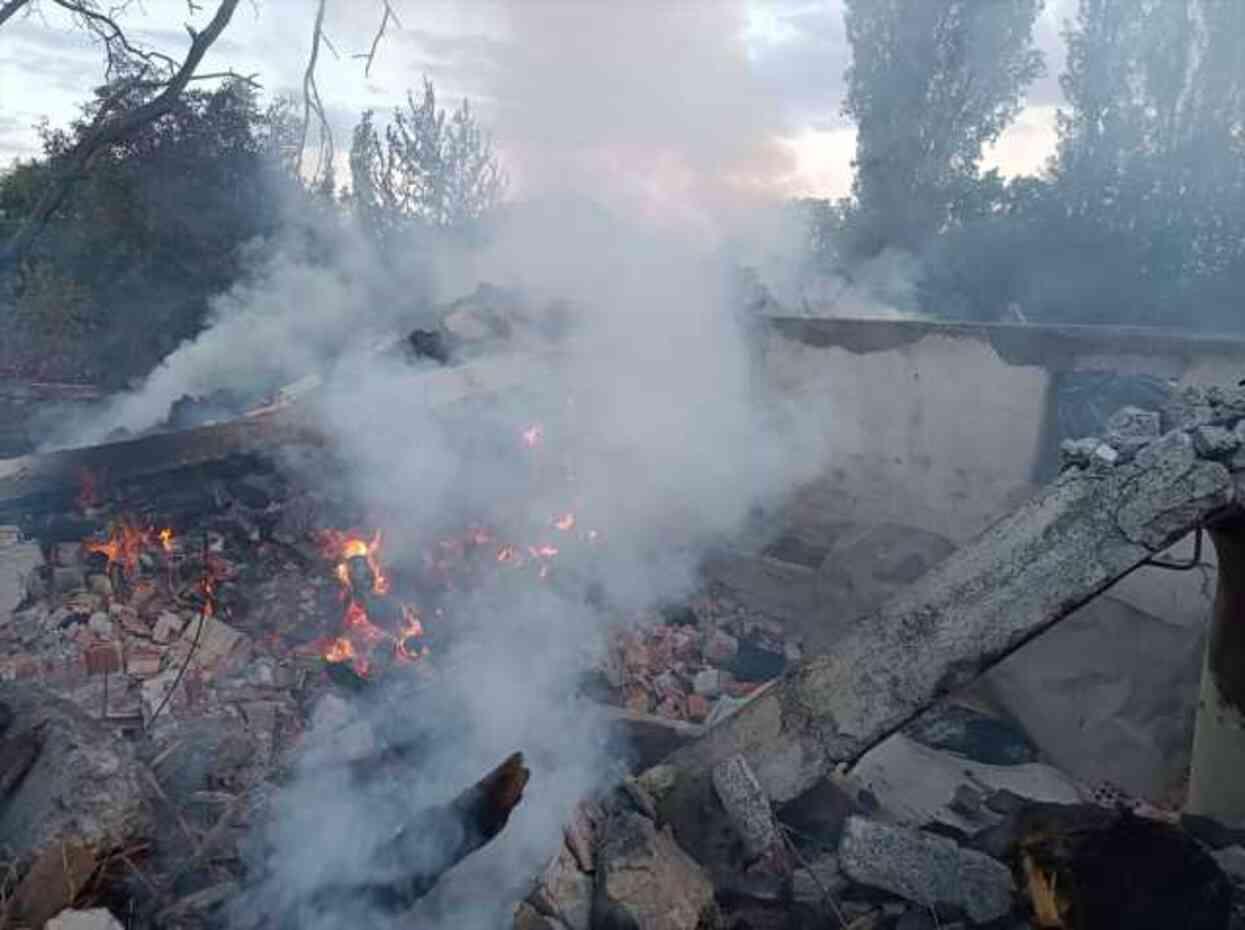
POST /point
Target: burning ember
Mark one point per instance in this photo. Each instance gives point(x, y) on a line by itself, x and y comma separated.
point(342, 548)
point(373, 625)
point(127, 541)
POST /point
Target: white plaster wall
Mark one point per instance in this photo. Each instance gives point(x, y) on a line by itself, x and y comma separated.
point(943, 434)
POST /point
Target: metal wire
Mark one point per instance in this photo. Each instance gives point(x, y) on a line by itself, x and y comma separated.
point(203, 615)
point(1194, 562)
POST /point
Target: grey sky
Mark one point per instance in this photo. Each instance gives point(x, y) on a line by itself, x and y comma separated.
point(680, 92)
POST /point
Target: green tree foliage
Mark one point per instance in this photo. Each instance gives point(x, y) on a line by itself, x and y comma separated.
point(931, 83)
point(1140, 217)
point(427, 168)
point(1151, 161)
point(153, 230)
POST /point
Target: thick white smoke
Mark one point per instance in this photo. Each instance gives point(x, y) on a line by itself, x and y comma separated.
point(659, 431)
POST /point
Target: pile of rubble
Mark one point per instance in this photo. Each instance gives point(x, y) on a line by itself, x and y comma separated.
point(910, 836)
point(136, 619)
point(698, 663)
point(1211, 420)
point(639, 858)
point(161, 666)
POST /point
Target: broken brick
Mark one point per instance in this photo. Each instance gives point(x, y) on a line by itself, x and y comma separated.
point(143, 661)
point(102, 658)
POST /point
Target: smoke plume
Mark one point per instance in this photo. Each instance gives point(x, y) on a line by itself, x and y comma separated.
point(656, 427)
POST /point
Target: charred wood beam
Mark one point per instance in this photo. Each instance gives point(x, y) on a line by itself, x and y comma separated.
point(51, 481)
point(439, 838)
point(1069, 543)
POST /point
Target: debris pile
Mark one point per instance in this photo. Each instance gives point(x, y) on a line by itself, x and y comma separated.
point(166, 644)
point(1211, 421)
point(697, 663)
point(740, 864)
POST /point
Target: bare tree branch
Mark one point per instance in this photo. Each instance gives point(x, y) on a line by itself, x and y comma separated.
point(251, 79)
point(380, 33)
point(312, 103)
point(108, 129)
point(117, 45)
point(9, 8)
point(330, 46)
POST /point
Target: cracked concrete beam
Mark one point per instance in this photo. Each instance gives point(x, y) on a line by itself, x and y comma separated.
point(1069, 543)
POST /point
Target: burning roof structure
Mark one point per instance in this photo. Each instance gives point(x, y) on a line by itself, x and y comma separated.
point(227, 679)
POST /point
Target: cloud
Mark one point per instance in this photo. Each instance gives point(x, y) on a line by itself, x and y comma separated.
point(692, 123)
point(800, 56)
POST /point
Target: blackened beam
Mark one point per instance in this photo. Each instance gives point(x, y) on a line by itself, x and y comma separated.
point(438, 838)
point(1070, 542)
point(53, 479)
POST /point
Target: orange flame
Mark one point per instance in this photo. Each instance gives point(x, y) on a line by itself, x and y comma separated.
point(359, 636)
point(339, 650)
point(341, 547)
point(127, 541)
point(565, 522)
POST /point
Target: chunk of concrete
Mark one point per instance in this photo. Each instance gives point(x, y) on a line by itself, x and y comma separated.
point(928, 870)
point(18, 560)
point(746, 806)
point(1108, 695)
point(82, 799)
point(1130, 428)
point(917, 785)
point(565, 892)
point(646, 881)
point(1215, 442)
